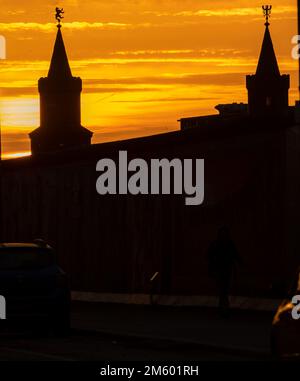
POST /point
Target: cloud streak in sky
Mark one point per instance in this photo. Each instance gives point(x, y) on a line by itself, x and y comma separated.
point(48, 27)
point(229, 12)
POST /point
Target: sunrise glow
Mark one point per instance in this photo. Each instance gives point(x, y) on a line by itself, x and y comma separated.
point(144, 64)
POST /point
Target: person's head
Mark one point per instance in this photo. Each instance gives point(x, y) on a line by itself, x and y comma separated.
point(224, 233)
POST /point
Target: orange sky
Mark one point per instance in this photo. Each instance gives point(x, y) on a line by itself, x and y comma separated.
point(144, 63)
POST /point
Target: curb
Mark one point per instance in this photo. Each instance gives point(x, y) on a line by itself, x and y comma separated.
point(236, 302)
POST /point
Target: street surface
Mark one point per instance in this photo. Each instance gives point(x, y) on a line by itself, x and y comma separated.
point(122, 332)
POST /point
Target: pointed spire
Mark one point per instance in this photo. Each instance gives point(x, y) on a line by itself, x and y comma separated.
point(267, 65)
point(268, 91)
point(59, 67)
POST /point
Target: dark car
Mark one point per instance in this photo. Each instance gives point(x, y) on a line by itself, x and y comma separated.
point(34, 286)
point(285, 334)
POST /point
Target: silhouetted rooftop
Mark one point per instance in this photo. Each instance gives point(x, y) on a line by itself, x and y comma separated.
point(211, 128)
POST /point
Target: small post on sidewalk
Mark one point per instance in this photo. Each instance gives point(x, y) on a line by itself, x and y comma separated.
point(152, 282)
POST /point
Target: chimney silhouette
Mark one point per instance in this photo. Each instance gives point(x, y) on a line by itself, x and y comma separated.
point(268, 89)
point(60, 109)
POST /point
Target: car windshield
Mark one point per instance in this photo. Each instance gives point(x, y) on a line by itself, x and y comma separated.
point(25, 258)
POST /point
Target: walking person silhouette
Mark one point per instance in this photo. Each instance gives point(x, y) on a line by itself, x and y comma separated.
point(222, 258)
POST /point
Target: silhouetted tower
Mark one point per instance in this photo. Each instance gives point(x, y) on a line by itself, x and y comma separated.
point(60, 110)
point(268, 89)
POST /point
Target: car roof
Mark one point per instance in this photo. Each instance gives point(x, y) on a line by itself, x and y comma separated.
point(12, 245)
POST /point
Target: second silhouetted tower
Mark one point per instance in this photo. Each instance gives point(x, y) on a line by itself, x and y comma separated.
point(268, 89)
point(60, 110)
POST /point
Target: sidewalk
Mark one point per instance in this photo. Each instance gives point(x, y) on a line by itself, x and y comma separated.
point(244, 332)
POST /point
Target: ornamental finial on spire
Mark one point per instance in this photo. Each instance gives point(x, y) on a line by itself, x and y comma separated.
point(59, 16)
point(267, 13)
